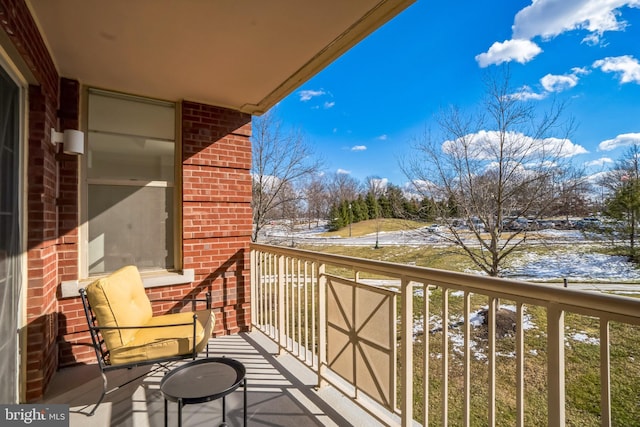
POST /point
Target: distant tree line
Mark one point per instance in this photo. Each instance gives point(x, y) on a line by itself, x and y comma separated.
point(392, 202)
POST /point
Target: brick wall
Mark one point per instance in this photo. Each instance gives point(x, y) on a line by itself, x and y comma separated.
point(216, 209)
point(41, 251)
point(41, 351)
point(72, 325)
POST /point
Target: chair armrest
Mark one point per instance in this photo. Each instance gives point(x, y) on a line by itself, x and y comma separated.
point(195, 316)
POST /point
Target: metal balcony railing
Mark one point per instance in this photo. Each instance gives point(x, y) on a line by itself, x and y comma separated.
point(413, 344)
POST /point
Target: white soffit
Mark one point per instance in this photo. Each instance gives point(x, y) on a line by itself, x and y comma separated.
point(240, 54)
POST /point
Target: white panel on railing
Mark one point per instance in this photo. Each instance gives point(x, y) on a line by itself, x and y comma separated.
point(361, 348)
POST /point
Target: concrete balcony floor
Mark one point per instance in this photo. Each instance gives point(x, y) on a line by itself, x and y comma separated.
point(281, 392)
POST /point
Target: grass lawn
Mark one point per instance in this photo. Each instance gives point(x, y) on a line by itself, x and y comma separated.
point(363, 228)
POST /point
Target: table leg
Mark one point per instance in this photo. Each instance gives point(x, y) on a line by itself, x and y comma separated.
point(166, 417)
point(179, 412)
point(224, 411)
point(244, 386)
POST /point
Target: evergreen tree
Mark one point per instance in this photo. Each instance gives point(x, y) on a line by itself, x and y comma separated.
point(372, 205)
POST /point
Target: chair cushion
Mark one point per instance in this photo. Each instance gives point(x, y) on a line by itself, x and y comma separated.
point(156, 343)
point(119, 300)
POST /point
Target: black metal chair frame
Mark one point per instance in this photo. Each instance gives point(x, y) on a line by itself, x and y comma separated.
point(102, 352)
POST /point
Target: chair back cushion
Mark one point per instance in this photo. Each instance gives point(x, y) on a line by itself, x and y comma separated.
point(119, 300)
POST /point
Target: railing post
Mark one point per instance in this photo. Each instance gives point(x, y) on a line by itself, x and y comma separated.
point(282, 343)
point(555, 368)
point(254, 287)
point(406, 351)
point(322, 323)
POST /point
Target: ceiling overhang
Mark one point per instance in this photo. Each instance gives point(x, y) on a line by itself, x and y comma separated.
point(241, 54)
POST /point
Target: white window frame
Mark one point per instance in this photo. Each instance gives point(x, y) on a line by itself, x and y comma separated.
point(161, 277)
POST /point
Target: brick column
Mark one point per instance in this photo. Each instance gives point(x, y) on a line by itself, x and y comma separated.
point(216, 208)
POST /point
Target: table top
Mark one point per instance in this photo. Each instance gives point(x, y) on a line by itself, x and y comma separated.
point(203, 380)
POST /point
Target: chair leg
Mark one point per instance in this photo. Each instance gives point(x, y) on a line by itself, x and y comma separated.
point(104, 392)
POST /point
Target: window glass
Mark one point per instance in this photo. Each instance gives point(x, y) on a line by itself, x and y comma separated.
point(130, 176)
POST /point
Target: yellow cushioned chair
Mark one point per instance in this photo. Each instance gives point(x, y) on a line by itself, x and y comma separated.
point(125, 333)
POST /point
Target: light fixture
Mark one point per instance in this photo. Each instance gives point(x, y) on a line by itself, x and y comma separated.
point(72, 139)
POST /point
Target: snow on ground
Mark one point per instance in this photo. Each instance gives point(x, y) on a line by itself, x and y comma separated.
point(476, 319)
point(575, 266)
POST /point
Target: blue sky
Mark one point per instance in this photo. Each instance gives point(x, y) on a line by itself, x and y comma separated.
point(363, 112)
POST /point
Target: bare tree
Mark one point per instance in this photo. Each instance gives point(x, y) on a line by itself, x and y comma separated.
point(493, 167)
point(317, 199)
point(343, 187)
point(281, 160)
point(623, 204)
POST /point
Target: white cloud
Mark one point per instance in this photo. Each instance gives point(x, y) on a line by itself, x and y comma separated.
point(556, 83)
point(525, 93)
point(550, 18)
point(343, 172)
point(601, 162)
point(379, 183)
point(519, 50)
point(328, 105)
point(359, 148)
point(484, 145)
point(306, 95)
point(622, 140)
point(382, 137)
point(551, 83)
point(626, 66)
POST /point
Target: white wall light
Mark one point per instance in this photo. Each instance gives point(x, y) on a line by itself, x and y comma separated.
point(72, 140)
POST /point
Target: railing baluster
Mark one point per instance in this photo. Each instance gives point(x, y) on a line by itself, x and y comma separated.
point(254, 286)
point(406, 351)
point(299, 317)
point(555, 368)
point(427, 355)
point(492, 360)
point(322, 324)
point(306, 310)
point(281, 304)
point(287, 302)
point(270, 311)
point(445, 356)
point(519, 365)
point(314, 326)
point(467, 359)
point(605, 374)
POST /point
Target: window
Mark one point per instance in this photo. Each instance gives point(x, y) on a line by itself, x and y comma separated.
point(130, 171)
point(11, 233)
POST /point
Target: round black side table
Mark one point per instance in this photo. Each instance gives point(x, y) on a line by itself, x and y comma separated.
point(204, 380)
